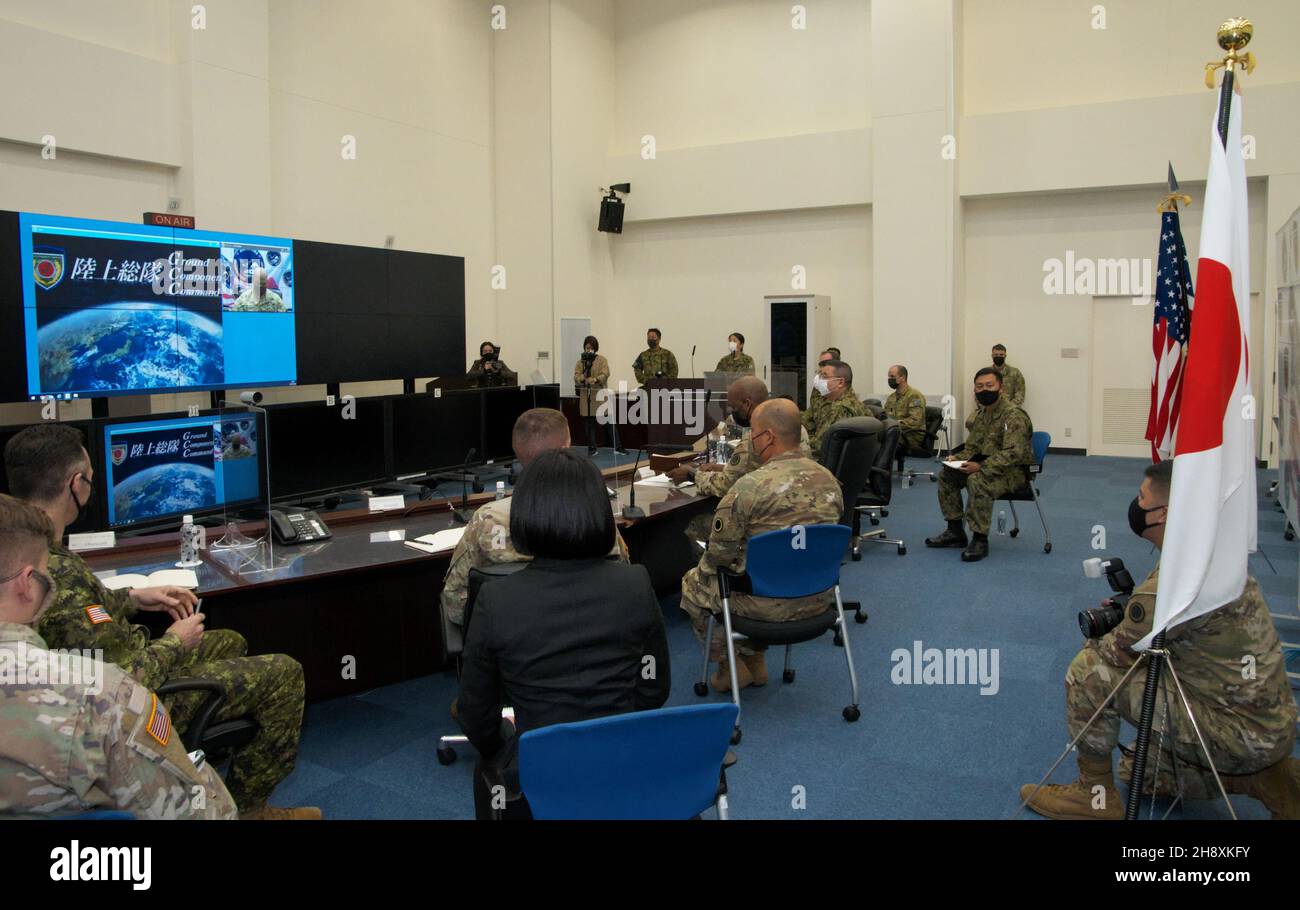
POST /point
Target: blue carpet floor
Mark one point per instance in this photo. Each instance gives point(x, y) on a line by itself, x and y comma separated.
point(919, 751)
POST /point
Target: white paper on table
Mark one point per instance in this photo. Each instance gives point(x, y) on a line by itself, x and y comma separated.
point(445, 539)
point(955, 465)
point(387, 536)
point(658, 480)
point(181, 578)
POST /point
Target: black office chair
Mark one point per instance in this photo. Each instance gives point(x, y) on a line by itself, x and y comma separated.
point(849, 452)
point(874, 498)
point(453, 640)
point(933, 423)
point(217, 738)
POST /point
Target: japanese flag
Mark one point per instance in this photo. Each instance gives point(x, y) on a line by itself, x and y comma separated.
point(1211, 525)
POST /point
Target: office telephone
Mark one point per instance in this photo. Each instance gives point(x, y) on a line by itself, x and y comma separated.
point(302, 526)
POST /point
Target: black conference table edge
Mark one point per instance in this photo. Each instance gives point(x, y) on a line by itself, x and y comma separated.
point(356, 626)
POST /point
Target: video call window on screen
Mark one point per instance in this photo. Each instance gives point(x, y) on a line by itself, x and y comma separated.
point(112, 308)
point(160, 469)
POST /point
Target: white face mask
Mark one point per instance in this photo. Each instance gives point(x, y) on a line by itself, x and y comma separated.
point(821, 385)
point(732, 345)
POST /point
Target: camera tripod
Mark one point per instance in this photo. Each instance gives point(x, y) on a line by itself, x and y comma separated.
point(1157, 659)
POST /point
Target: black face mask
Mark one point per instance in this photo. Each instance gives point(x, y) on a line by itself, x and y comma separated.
point(81, 506)
point(589, 356)
point(998, 361)
point(651, 342)
point(489, 356)
point(987, 397)
point(1137, 517)
point(741, 420)
point(893, 383)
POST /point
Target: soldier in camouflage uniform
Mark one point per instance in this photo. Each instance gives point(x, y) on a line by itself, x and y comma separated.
point(815, 401)
point(654, 362)
point(258, 298)
point(737, 362)
point(997, 452)
point(906, 405)
point(487, 536)
point(1244, 709)
point(48, 467)
point(1013, 381)
point(743, 396)
point(840, 402)
point(489, 371)
point(78, 734)
point(789, 489)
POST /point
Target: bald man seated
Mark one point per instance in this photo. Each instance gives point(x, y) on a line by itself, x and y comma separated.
point(786, 489)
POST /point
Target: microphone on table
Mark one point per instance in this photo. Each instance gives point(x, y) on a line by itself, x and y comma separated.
point(631, 511)
point(464, 487)
point(692, 361)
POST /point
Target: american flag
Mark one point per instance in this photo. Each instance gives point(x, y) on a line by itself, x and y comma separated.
point(97, 614)
point(1169, 336)
point(160, 725)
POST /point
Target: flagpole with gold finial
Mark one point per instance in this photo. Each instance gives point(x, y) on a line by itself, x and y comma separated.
point(1234, 35)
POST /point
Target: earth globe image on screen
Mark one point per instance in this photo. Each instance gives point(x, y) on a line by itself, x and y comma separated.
point(130, 346)
point(172, 488)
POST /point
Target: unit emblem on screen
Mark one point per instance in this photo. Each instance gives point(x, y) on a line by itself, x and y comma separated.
point(119, 455)
point(47, 266)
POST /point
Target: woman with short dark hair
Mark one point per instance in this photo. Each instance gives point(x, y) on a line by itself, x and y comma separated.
point(590, 375)
point(571, 636)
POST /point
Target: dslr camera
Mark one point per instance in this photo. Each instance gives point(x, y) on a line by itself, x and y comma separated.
point(1096, 622)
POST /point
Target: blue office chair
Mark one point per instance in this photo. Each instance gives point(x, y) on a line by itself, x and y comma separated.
point(1041, 442)
point(662, 764)
point(786, 563)
point(99, 815)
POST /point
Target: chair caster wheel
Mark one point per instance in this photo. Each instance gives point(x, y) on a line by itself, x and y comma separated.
point(701, 689)
point(839, 640)
point(875, 521)
point(787, 676)
point(477, 487)
point(851, 713)
point(884, 513)
point(1289, 535)
point(902, 551)
point(1047, 548)
point(857, 556)
point(735, 736)
point(860, 617)
point(933, 479)
point(446, 755)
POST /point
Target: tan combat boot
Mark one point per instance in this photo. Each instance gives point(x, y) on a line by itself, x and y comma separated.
point(721, 681)
point(282, 813)
point(756, 664)
point(1075, 801)
point(1277, 787)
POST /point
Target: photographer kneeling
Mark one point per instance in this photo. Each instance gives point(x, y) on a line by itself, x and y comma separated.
point(1231, 668)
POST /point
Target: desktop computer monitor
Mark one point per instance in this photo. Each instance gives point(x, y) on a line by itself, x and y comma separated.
point(315, 448)
point(434, 433)
point(158, 469)
point(501, 408)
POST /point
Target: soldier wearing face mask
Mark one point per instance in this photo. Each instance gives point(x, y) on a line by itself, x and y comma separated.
point(996, 453)
point(1013, 381)
point(1247, 718)
point(834, 383)
point(654, 362)
point(737, 362)
point(76, 733)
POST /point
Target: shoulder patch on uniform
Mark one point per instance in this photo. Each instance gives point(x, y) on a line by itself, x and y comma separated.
point(1136, 613)
point(97, 614)
point(717, 524)
point(160, 725)
point(735, 459)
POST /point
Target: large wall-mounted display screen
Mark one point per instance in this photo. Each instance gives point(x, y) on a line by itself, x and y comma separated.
point(111, 308)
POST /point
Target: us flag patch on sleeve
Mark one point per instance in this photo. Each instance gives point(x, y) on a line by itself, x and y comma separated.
point(160, 725)
point(97, 614)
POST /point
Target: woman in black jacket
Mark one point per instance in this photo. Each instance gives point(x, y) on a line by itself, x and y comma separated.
point(571, 636)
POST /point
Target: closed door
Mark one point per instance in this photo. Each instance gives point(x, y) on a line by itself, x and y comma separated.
point(1121, 377)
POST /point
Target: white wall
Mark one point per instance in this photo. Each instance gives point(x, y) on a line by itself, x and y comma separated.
point(701, 279)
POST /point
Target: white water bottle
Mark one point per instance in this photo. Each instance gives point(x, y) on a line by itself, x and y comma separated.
point(1002, 522)
point(191, 543)
point(501, 489)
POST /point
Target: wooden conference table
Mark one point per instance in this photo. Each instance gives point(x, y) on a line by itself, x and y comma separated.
point(360, 610)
